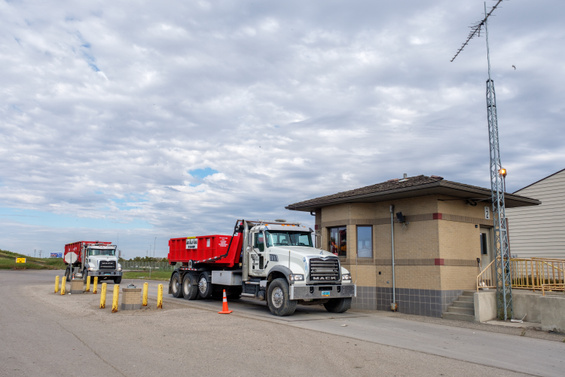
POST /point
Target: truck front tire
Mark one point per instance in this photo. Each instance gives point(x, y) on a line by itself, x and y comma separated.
point(176, 285)
point(338, 305)
point(278, 298)
point(118, 280)
point(189, 287)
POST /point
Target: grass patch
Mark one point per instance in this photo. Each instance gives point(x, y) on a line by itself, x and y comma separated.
point(8, 262)
point(154, 275)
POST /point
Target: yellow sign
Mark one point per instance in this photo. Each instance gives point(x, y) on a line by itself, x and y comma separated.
point(20, 260)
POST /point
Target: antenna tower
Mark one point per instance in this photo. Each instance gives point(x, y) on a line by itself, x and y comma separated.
point(497, 185)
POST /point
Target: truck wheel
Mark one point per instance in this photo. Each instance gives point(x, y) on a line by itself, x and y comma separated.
point(205, 285)
point(176, 285)
point(118, 280)
point(338, 305)
point(277, 298)
point(189, 287)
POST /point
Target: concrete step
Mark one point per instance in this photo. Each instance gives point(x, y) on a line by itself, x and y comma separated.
point(461, 310)
point(459, 317)
point(467, 298)
point(463, 304)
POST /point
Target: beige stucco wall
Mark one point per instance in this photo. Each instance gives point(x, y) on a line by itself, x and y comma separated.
point(430, 253)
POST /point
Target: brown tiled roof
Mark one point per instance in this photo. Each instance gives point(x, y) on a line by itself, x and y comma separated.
point(409, 187)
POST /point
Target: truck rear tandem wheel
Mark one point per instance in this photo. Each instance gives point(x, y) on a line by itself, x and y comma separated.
point(205, 285)
point(189, 286)
point(175, 285)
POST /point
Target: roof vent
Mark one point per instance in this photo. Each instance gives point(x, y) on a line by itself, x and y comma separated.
point(436, 177)
point(404, 178)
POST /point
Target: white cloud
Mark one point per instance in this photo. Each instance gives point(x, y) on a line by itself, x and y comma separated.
point(106, 108)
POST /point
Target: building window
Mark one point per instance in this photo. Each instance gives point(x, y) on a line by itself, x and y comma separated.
point(338, 240)
point(484, 245)
point(365, 241)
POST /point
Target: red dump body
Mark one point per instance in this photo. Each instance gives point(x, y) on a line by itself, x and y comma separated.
point(76, 248)
point(219, 250)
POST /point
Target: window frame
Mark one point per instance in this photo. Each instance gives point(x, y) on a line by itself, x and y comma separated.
point(370, 227)
point(340, 230)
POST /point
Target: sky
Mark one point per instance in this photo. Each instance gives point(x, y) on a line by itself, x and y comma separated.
point(139, 121)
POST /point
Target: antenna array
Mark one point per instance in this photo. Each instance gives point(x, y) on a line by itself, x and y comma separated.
point(476, 30)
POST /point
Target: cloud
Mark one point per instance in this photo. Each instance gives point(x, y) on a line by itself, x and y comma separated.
point(175, 119)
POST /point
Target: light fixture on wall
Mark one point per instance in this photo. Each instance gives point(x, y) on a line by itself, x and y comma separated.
point(400, 217)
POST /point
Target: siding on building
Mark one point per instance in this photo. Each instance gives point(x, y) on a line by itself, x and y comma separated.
point(539, 231)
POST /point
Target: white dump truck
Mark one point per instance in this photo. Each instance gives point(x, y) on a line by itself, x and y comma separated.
point(272, 261)
point(92, 258)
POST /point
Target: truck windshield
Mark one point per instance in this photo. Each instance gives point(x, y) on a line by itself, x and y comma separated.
point(285, 238)
point(110, 252)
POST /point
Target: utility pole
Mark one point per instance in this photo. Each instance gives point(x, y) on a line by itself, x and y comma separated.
point(497, 183)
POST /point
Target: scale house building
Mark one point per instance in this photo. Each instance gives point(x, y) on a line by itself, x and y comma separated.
point(412, 244)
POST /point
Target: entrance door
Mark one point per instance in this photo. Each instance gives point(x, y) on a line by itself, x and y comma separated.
point(486, 247)
point(257, 261)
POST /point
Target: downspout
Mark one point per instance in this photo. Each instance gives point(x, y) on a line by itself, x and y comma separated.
point(393, 305)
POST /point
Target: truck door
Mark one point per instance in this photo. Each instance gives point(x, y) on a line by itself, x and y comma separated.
point(257, 261)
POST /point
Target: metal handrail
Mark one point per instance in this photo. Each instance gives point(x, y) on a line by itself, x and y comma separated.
point(487, 277)
point(536, 274)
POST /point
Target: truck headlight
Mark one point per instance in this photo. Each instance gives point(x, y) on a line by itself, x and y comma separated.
point(119, 267)
point(346, 277)
point(296, 277)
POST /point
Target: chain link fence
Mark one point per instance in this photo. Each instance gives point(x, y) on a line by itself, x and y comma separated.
point(146, 266)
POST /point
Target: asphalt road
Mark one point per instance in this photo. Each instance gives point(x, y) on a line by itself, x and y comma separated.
point(46, 334)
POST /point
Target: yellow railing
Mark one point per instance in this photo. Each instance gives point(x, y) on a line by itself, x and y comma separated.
point(487, 278)
point(537, 274)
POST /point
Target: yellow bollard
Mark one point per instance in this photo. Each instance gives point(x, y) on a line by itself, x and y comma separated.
point(56, 283)
point(87, 284)
point(103, 296)
point(160, 296)
point(63, 285)
point(95, 285)
point(145, 287)
point(115, 298)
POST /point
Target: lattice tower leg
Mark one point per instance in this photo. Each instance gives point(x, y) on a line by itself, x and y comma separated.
point(501, 245)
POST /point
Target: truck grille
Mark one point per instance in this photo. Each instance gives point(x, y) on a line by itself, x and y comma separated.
point(107, 265)
point(323, 270)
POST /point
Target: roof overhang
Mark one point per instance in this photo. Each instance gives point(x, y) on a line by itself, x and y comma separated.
point(452, 190)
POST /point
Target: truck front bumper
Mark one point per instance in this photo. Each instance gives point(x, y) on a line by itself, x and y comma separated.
point(320, 292)
point(103, 273)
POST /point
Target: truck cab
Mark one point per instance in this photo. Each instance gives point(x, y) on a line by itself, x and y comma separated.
point(92, 258)
point(282, 257)
point(102, 261)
